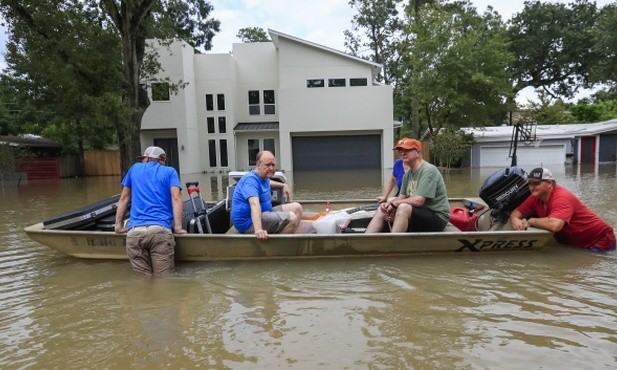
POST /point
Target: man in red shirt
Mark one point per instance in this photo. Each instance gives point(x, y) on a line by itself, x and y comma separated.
point(554, 208)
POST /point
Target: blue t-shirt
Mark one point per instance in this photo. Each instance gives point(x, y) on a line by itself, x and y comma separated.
point(150, 185)
point(250, 185)
point(398, 171)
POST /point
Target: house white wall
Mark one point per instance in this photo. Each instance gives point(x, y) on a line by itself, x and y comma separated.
point(284, 66)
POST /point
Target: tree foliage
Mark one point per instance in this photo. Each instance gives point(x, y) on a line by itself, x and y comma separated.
point(551, 42)
point(456, 63)
point(376, 30)
point(86, 61)
point(450, 147)
point(605, 45)
point(252, 34)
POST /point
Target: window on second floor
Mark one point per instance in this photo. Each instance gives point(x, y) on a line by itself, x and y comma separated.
point(222, 125)
point(210, 124)
point(269, 103)
point(160, 91)
point(358, 82)
point(220, 101)
point(254, 103)
point(315, 82)
point(336, 82)
point(209, 102)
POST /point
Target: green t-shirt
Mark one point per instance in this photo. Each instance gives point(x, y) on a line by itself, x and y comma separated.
point(427, 181)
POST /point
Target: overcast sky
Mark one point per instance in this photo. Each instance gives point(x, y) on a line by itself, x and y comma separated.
point(318, 21)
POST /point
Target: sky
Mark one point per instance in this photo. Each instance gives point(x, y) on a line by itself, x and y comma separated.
point(320, 21)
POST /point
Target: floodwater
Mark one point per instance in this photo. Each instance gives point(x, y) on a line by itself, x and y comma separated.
point(551, 309)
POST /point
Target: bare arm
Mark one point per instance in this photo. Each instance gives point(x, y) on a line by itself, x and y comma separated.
point(256, 218)
point(125, 199)
point(547, 223)
point(280, 185)
point(387, 190)
point(177, 204)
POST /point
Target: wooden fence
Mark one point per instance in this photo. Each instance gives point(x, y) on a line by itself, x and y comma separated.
point(102, 162)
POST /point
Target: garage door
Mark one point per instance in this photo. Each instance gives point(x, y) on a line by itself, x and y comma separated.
point(527, 156)
point(336, 152)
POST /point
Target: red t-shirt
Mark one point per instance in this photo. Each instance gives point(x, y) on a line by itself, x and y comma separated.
point(583, 228)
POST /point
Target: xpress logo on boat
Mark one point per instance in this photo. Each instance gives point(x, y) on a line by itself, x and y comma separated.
point(478, 245)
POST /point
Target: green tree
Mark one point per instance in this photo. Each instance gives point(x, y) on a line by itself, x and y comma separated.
point(605, 45)
point(450, 146)
point(376, 29)
point(120, 51)
point(552, 45)
point(252, 34)
point(456, 69)
point(586, 111)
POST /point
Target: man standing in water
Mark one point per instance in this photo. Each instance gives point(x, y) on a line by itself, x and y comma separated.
point(554, 208)
point(153, 192)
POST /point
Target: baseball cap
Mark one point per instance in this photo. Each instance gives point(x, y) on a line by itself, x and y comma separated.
point(153, 152)
point(408, 144)
point(538, 174)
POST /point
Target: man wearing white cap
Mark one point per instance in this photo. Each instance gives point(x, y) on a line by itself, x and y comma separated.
point(153, 191)
point(554, 208)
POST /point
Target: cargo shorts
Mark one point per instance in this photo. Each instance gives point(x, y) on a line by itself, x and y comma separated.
point(151, 250)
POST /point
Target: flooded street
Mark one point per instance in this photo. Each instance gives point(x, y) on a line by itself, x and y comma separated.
point(552, 309)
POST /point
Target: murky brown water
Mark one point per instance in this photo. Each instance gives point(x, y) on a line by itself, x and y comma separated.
point(552, 309)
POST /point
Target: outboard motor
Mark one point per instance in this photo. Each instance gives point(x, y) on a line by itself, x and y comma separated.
point(505, 190)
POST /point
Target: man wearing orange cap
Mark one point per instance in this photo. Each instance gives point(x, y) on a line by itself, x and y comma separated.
point(422, 204)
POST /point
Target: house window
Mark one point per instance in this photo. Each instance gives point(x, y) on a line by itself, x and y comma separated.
point(212, 152)
point(209, 102)
point(220, 101)
point(224, 159)
point(257, 145)
point(269, 106)
point(358, 82)
point(253, 149)
point(319, 82)
point(336, 82)
point(160, 91)
point(222, 125)
point(210, 121)
point(254, 108)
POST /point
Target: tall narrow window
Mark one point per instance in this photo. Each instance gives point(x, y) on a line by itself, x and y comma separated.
point(212, 152)
point(222, 125)
point(220, 101)
point(160, 91)
point(269, 145)
point(269, 106)
point(253, 149)
point(254, 102)
point(210, 121)
point(209, 102)
point(224, 160)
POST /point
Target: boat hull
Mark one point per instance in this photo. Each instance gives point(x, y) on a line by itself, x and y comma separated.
point(212, 247)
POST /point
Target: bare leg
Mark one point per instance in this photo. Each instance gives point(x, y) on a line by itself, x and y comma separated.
point(377, 222)
point(401, 218)
point(295, 210)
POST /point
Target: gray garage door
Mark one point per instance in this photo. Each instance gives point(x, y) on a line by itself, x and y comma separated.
point(336, 152)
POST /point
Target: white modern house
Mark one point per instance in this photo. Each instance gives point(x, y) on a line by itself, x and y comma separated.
point(548, 145)
point(315, 107)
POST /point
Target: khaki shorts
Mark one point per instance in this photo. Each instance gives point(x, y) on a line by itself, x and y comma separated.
point(273, 222)
point(151, 250)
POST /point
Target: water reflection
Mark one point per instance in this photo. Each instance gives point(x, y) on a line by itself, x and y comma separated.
point(504, 311)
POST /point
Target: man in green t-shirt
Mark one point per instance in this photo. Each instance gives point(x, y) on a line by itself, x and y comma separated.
point(422, 204)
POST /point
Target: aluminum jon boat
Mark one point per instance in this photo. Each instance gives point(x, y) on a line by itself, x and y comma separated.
point(477, 225)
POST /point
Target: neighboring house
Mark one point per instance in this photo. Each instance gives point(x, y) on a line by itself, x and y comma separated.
point(315, 107)
point(590, 143)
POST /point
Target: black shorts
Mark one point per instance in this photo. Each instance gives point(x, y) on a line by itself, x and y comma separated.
point(423, 219)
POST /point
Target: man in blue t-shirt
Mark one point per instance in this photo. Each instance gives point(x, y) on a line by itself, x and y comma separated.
point(153, 192)
point(251, 207)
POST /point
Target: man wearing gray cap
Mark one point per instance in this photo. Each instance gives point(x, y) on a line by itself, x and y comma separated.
point(153, 191)
point(554, 208)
